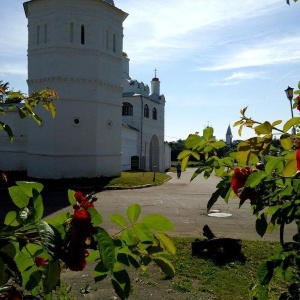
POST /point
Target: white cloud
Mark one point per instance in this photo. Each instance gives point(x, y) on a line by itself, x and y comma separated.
point(164, 30)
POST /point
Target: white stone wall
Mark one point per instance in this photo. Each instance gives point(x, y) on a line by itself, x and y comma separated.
point(129, 146)
point(14, 154)
point(80, 57)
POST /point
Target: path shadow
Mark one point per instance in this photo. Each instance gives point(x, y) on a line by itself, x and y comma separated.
point(54, 193)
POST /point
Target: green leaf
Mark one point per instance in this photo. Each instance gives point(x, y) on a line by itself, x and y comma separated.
point(286, 141)
point(213, 199)
point(183, 154)
point(273, 163)
point(208, 133)
point(133, 212)
point(96, 218)
point(121, 282)
point(38, 206)
point(166, 242)
point(51, 238)
point(265, 128)
point(265, 273)
point(32, 281)
point(71, 197)
point(19, 198)
point(100, 272)
point(219, 144)
point(128, 237)
point(93, 256)
point(11, 219)
point(158, 222)
point(255, 179)
point(261, 225)
point(191, 141)
point(290, 123)
point(52, 276)
point(199, 171)
point(143, 232)
point(275, 123)
point(118, 219)
point(24, 260)
point(195, 155)
point(106, 248)
point(290, 169)
point(29, 187)
point(165, 265)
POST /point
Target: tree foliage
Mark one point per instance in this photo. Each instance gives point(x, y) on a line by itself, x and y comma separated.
point(270, 183)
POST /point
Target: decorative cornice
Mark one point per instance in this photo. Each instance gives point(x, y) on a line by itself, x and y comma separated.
point(109, 86)
point(40, 50)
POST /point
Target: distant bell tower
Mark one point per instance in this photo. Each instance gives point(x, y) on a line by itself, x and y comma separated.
point(228, 137)
point(75, 47)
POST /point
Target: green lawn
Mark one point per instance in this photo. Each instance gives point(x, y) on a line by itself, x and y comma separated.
point(230, 281)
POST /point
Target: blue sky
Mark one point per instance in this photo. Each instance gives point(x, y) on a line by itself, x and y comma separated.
point(213, 57)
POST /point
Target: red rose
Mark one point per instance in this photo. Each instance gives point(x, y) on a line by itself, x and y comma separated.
point(238, 181)
point(39, 261)
point(298, 159)
point(81, 216)
point(239, 178)
point(79, 197)
point(298, 103)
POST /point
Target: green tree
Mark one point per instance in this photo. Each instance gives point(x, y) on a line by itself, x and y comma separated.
point(272, 188)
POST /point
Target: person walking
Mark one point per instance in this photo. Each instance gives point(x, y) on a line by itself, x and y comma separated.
point(178, 168)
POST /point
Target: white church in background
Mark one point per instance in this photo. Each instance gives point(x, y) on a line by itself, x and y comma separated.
point(106, 121)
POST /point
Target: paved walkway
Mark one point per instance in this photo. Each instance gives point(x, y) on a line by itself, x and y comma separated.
point(184, 203)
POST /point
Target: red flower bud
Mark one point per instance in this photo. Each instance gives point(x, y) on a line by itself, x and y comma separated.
point(39, 261)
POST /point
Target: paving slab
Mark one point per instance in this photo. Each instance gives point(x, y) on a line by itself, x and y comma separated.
point(184, 203)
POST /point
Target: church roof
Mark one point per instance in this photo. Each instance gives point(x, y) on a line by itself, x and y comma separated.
point(110, 2)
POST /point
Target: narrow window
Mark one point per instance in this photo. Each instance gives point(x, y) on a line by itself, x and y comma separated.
point(38, 35)
point(114, 43)
point(107, 39)
point(154, 114)
point(45, 33)
point(72, 32)
point(127, 109)
point(82, 35)
point(146, 111)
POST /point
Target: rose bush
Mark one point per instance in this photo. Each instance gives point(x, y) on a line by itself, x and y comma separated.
point(34, 250)
point(270, 183)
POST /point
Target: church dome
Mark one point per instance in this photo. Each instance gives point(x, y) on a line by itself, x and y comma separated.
point(110, 2)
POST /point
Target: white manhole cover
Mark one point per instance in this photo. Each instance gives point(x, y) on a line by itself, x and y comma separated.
point(219, 215)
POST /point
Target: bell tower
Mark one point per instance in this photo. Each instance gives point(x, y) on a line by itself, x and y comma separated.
point(75, 47)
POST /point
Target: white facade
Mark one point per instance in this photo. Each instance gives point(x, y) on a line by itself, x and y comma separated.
point(144, 109)
point(76, 48)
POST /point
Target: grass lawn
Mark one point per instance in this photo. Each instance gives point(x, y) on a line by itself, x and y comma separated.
point(127, 179)
point(227, 282)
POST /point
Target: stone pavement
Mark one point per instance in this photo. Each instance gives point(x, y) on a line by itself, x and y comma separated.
point(184, 203)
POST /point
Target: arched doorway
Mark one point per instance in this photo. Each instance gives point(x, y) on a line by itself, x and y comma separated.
point(154, 153)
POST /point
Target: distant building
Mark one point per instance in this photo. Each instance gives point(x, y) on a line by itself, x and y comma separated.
point(229, 136)
point(105, 122)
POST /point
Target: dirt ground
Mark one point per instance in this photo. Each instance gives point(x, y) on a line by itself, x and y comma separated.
point(150, 285)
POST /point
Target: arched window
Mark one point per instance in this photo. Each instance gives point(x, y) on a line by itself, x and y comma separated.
point(38, 35)
point(146, 111)
point(154, 114)
point(106, 39)
point(114, 43)
point(72, 32)
point(82, 35)
point(45, 33)
point(127, 109)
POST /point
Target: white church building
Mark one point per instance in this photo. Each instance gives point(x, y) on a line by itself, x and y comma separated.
point(106, 122)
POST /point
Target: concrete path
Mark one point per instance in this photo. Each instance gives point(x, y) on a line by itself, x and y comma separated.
point(184, 203)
